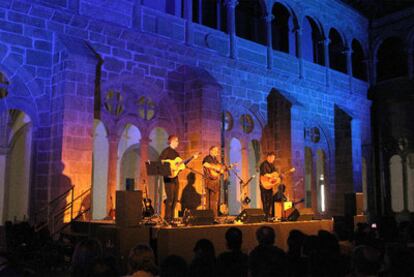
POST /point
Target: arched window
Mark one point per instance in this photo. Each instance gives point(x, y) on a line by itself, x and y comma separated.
point(312, 48)
point(250, 22)
point(358, 66)
point(282, 26)
point(337, 58)
point(391, 59)
point(211, 13)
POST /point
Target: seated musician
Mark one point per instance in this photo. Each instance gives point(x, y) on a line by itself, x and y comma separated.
point(267, 167)
point(212, 170)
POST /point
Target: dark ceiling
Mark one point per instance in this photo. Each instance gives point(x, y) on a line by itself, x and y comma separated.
point(378, 8)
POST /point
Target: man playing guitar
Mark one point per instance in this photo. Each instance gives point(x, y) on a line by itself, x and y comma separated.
point(267, 168)
point(169, 154)
point(212, 170)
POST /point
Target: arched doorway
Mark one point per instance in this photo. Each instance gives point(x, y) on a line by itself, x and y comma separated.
point(18, 167)
point(128, 155)
point(321, 178)
point(254, 160)
point(100, 170)
point(234, 188)
point(158, 137)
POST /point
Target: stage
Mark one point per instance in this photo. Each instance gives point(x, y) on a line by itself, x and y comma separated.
point(181, 240)
point(168, 240)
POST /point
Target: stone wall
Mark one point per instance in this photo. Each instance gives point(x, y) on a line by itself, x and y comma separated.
point(150, 45)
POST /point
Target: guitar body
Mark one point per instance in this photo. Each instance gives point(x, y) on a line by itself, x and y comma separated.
point(148, 208)
point(270, 180)
point(217, 170)
point(176, 166)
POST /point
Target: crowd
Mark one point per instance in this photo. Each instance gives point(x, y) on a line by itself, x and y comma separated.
point(366, 251)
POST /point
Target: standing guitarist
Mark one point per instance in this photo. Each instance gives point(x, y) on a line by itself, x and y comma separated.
point(171, 182)
point(266, 169)
point(212, 170)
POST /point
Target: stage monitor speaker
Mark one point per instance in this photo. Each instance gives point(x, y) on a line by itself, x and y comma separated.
point(198, 217)
point(251, 216)
point(128, 208)
point(303, 214)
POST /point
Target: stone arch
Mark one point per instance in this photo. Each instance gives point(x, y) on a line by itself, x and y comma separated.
point(100, 170)
point(312, 35)
point(337, 44)
point(133, 87)
point(283, 27)
point(22, 84)
point(358, 57)
point(249, 19)
point(16, 165)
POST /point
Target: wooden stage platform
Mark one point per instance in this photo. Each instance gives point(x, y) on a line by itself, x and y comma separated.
point(181, 240)
point(169, 240)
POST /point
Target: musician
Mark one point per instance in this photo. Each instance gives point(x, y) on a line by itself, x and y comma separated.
point(171, 184)
point(212, 183)
point(267, 167)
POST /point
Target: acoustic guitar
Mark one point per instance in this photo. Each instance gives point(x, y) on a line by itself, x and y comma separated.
point(148, 209)
point(271, 180)
point(178, 164)
point(216, 170)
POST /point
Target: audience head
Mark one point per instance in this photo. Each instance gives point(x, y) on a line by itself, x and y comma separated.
point(234, 238)
point(141, 258)
point(265, 235)
point(174, 266)
point(328, 242)
point(295, 241)
point(366, 260)
point(204, 249)
point(84, 257)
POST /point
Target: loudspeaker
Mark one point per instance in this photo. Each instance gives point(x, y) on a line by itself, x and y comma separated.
point(303, 214)
point(129, 184)
point(198, 217)
point(251, 216)
point(128, 208)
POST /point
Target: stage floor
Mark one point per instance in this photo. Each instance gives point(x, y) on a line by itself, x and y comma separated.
point(181, 240)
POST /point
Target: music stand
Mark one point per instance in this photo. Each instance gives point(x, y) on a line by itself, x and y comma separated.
point(157, 168)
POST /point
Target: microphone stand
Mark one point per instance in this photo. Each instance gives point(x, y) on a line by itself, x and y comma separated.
point(242, 185)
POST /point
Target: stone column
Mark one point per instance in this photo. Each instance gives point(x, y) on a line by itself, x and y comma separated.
point(231, 26)
point(326, 43)
point(144, 145)
point(410, 63)
point(348, 54)
point(299, 52)
point(113, 140)
point(188, 15)
point(269, 18)
point(374, 70)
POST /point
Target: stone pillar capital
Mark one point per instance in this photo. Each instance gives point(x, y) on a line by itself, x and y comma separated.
point(347, 51)
point(326, 41)
point(269, 17)
point(231, 3)
point(145, 140)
